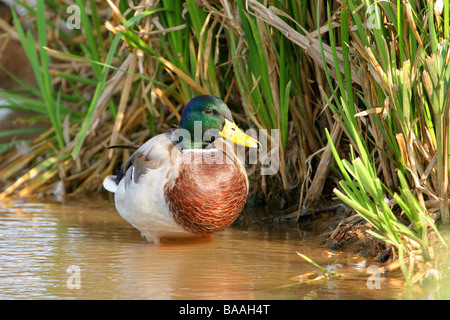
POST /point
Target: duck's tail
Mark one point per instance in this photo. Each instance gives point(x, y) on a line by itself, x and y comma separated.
point(110, 183)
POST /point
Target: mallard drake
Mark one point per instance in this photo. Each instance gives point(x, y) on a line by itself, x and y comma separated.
point(188, 181)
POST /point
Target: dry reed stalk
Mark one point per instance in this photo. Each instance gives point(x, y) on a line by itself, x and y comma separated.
point(161, 95)
point(22, 180)
point(95, 177)
point(106, 96)
point(15, 160)
point(315, 190)
point(309, 131)
point(124, 97)
point(37, 182)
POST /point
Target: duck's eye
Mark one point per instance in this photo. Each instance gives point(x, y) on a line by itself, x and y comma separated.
point(207, 111)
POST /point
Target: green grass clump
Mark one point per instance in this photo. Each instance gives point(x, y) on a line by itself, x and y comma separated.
point(394, 119)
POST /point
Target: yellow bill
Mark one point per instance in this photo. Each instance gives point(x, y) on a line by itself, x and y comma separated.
point(233, 133)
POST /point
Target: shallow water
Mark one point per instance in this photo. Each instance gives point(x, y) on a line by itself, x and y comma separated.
point(87, 251)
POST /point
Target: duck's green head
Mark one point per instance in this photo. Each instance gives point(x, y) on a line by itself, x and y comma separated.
point(205, 116)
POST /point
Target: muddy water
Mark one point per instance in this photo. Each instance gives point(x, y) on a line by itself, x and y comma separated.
point(84, 250)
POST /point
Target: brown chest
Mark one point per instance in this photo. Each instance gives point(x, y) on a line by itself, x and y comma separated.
point(208, 193)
